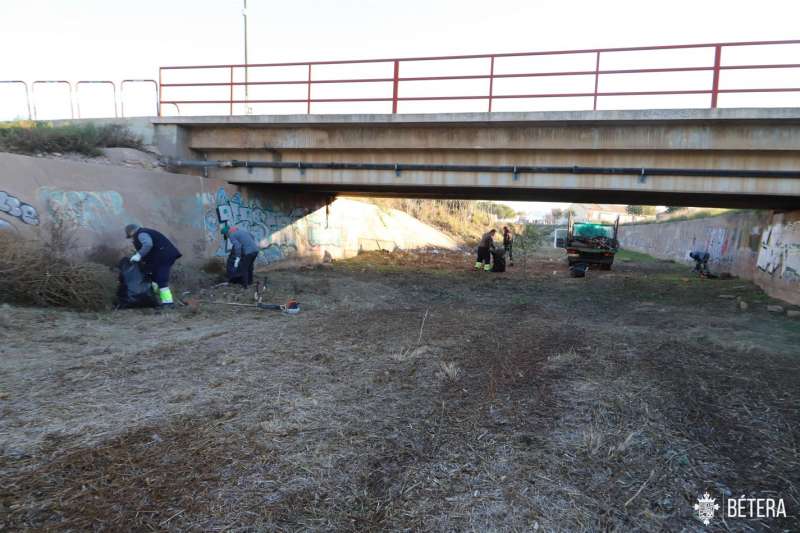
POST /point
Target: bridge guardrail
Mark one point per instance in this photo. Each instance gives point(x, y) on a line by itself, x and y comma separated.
point(396, 89)
point(396, 82)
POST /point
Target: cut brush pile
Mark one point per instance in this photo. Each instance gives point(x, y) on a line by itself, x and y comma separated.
point(32, 274)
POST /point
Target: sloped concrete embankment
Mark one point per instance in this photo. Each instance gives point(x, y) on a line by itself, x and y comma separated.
point(760, 246)
point(98, 200)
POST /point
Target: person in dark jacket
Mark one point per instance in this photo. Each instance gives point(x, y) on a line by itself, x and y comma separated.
point(700, 262)
point(244, 252)
point(508, 244)
point(485, 248)
point(155, 255)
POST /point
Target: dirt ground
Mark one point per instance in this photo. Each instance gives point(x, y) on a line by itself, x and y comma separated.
point(410, 394)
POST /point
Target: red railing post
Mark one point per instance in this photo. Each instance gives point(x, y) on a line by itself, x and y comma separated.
point(491, 83)
point(231, 100)
point(715, 82)
point(395, 83)
point(596, 79)
point(308, 92)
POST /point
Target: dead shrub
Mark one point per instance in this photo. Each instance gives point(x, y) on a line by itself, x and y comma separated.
point(31, 273)
point(102, 254)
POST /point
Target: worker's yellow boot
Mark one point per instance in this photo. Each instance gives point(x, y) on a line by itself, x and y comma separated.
point(478, 265)
point(165, 295)
point(487, 267)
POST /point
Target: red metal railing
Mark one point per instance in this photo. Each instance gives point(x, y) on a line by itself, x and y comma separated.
point(199, 89)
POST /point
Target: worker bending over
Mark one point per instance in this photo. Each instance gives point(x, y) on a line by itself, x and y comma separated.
point(155, 255)
point(244, 251)
point(485, 248)
point(508, 244)
point(700, 262)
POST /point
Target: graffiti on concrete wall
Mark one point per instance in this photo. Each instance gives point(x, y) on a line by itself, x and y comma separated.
point(270, 226)
point(86, 209)
point(780, 251)
point(14, 207)
point(322, 233)
point(732, 241)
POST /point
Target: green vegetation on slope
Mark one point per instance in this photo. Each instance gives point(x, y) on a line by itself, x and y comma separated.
point(42, 137)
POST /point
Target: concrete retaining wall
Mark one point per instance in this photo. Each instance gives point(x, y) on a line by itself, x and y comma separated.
point(100, 199)
point(760, 246)
point(778, 267)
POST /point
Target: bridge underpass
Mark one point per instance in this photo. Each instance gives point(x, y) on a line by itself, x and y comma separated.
point(746, 158)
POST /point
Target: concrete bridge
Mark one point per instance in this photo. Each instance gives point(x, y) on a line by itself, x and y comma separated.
point(699, 157)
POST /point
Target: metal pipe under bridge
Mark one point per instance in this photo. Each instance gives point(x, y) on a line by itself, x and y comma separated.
point(748, 158)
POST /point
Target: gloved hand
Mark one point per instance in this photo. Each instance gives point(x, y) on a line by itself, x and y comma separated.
point(135, 258)
point(236, 262)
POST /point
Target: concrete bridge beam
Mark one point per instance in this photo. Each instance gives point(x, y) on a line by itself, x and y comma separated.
point(729, 139)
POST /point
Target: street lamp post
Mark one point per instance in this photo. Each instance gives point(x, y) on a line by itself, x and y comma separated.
point(246, 77)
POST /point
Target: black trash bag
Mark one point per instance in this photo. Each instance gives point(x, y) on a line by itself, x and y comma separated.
point(578, 270)
point(499, 260)
point(134, 288)
point(235, 274)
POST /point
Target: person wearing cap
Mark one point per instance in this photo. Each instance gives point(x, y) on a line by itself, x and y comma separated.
point(155, 254)
point(485, 247)
point(244, 252)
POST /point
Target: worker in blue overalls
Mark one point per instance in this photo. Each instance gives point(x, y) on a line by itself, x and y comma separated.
point(155, 255)
point(701, 259)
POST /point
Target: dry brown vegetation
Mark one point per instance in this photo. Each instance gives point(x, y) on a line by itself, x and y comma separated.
point(464, 220)
point(39, 272)
point(410, 394)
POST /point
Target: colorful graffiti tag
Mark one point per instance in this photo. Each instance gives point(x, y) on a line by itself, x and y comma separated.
point(780, 250)
point(12, 206)
point(267, 224)
point(87, 209)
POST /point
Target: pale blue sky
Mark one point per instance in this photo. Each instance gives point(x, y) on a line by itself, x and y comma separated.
point(116, 39)
point(79, 39)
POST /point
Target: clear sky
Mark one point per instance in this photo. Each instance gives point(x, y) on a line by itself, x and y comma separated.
point(117, 39)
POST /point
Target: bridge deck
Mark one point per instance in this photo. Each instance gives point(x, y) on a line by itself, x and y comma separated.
point(753, 142)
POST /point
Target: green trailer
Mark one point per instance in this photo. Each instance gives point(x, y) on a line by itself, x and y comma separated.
point(593, 243)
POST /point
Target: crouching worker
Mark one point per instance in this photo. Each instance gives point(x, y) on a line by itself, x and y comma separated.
point(155, 255)
point(700, 262)
point(242, 258)
point(485, 248)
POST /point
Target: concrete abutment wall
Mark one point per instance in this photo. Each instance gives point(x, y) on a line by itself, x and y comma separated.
point(98, 200)
point(760, 246)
